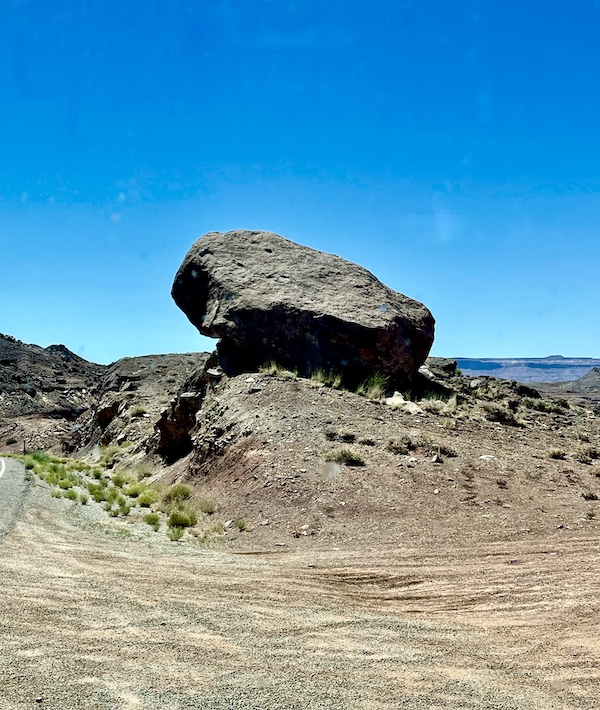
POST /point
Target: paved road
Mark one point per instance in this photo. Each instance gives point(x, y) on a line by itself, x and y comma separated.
point(13, 486)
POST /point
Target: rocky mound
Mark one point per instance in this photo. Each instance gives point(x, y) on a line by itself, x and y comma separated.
point(269, 299)
point(50, 382)
point(130, 398)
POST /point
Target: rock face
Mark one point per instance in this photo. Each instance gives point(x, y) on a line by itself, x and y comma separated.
point(268, 298)
point(50, 382)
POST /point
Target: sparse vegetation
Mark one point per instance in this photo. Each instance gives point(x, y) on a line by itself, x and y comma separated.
point(407, 443)
point(152, 519)
point(137, 411)
point(588, 495)
point(498, 413)
point(274, 369)
point(207, 506)
point(586, 454)
point(182, 518)
point(374, 387)
point(329, 379)
point(177, 493)
point(400, 446)
point(175, 534)
point(557, 454)
point(11, 440)
point(345, 456)
point(545, 405)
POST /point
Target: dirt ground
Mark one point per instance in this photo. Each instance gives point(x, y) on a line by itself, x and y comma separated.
point(98, 615)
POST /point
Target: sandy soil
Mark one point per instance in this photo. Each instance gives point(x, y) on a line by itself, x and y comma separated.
point(98, 615)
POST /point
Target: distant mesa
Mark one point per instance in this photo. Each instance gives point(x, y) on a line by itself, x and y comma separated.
point(555, 368)
point(267, 298)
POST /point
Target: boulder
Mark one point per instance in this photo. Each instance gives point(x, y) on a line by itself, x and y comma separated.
point(269, 299)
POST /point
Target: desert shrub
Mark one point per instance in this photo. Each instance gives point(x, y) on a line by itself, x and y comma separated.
point(78, 466)
point(135, 490)
point(588, 495)
point(207, 506)
point(374, 387)
point(71, 494)
point(152, 519)
point(240, 524)
point(96, 490)
point(177, 493)
point(175, 534)
point(143, 470)
point(345, 456)
point(112, 494)
point(83, 498)
point(147, 498)
point(399, 446)
point(331, 435)
point(367, 441)
point(545, 405)
point(121, 478)
point(557, 454)
point(41, 457)
point(217, 528)
point(182, 519)
point(497, 413)
point(347, 437)
point(109, 455)
point(137, 412)
point(11, 440)
point(586, 454)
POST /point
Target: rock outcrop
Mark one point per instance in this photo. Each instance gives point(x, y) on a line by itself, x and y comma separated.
point(49, 382)
point(267, 298)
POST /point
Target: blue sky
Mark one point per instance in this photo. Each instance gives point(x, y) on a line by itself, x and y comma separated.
point(450, 146)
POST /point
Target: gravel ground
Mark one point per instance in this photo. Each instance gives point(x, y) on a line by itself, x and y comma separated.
point(93, 617)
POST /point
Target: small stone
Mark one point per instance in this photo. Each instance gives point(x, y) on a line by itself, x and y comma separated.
point(487, 457)
point(436, 491)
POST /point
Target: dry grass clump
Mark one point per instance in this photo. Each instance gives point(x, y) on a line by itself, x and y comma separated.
point(408, 443)
point(558, 454)
point(586, 454)
point(497, 413)
point(438, 404)
point(327, 378)
point(374, 387)
point(274, 369)
point(345, 456)
point(551, 406)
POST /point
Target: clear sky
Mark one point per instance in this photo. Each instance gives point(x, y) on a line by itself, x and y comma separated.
point(450, 146)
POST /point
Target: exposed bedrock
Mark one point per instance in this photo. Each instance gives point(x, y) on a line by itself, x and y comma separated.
point(267, 298)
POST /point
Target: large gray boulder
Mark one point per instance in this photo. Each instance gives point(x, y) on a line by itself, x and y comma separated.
point(267, 298)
